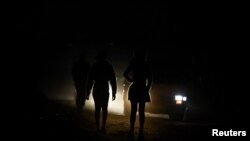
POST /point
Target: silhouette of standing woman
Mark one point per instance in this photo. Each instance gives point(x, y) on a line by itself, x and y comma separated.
point(101, 74)
point(139, 73)
point(80, 73)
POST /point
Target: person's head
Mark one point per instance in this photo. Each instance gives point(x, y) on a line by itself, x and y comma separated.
point(101, 55)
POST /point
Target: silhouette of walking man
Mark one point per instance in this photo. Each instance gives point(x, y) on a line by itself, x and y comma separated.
point(139, 73)
point(80, 73)
point(101, 74)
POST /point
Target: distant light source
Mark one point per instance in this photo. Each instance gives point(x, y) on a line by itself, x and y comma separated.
point(179, 99)
point(178, 102)
point(184, 98)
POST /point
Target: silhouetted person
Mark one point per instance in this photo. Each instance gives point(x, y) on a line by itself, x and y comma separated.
point(101, 74)
point(139, 73)
point(80, 73)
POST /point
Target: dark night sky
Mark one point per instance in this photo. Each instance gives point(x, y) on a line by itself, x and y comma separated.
point(167, 29)
point(175, 33)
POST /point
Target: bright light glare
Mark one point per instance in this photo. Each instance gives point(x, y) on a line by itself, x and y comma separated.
point(184, 98)
point(178, 101)
point(114, 107)
point(178, 97)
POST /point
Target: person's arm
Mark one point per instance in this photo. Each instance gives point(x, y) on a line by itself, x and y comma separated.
point(126, 73)
point(113, 83)
point(150, 79)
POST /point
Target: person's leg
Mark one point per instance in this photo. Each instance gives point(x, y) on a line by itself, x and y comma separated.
point(78, 96)
point(97, 114)
point(78, 107)
point(104, 114)
point(141, 115)
point(133, 116)
point(80, 99)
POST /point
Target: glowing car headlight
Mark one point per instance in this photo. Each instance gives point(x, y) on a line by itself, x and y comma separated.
point(179, 99)
point(184, 98)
